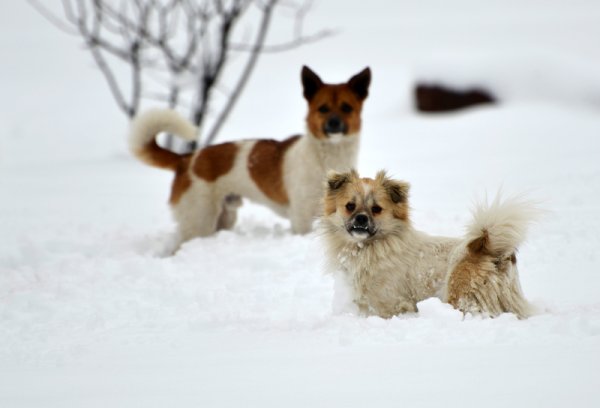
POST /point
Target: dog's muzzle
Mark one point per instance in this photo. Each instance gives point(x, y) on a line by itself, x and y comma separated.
point(335, 125)
point(361, 226)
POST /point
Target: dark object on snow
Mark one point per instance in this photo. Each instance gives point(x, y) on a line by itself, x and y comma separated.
point(437, 98)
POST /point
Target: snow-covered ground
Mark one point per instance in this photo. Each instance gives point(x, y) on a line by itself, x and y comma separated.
point(92, 314)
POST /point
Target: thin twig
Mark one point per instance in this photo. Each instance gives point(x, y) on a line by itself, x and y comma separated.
point(173, 42)
point(286, 46)
point(212, 70)
point(54, 20)
point(250, 64)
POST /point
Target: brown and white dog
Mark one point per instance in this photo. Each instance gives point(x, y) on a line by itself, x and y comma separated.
point(386, 266)
point(283, 175)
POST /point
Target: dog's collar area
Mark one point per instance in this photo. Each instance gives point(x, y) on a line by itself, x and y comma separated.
point(335, 137)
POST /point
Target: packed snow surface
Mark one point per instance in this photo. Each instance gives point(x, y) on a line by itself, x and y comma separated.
point(94, 312)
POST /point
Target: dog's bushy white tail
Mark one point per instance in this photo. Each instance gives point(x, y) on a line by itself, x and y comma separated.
point(144, 129)
point(500, 226)
point(146, 126)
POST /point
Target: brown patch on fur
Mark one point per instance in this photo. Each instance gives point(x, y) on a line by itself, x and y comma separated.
point(337, 184)
point(397, 194)
point(401, 212)
point(265, 165)
point(214, 161)
point(481, 283)
point(181, 182)
point(334, 97)
point(479, 245)
point(513, 258)
point(157, 156)
point(468, 275)
point(330, 204)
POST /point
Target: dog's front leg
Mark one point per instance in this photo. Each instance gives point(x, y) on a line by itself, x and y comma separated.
point(301, 226)
point(302, 216)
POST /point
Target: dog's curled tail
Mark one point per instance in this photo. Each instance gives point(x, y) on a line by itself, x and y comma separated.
point(499, 227)
point(144, 129)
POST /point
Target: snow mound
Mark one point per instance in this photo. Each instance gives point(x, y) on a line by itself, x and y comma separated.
point(435, 309)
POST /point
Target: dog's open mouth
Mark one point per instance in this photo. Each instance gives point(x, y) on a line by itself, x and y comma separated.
point(360, 231)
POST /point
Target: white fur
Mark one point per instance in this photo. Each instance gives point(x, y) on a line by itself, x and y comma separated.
point(506, 221)
point(306, 164)
point(147, 125)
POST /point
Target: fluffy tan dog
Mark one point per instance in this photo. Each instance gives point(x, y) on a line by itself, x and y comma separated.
point(389, 266)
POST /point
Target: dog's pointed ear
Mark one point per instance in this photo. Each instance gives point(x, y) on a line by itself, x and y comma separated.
point(359, 83)
point(311, 82)
point(396, 189)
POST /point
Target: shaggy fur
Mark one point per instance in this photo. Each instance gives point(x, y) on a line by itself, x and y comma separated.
point(285, 176)
point(389, 266)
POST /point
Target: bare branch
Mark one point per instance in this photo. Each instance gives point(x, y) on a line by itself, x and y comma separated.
point(286, 46)
point(48, 15)
point(68, 10)
point(136, 82)
point(258, 44)
point(91, 39)
point(110, 79)
point(177, 50)
point(212, 70)
point(298, 40)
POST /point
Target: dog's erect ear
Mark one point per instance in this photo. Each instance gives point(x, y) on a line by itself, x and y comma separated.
point(360, 82)
point(397, 190)
point(310, 82)
point(336, 180)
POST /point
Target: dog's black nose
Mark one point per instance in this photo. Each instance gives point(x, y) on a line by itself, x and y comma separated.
point(334, 125)
point(361, 220)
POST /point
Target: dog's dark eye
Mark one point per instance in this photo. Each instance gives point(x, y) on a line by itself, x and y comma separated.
point(350, 206)
point(323, 109)
point(376, 209)
point(346, 108)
